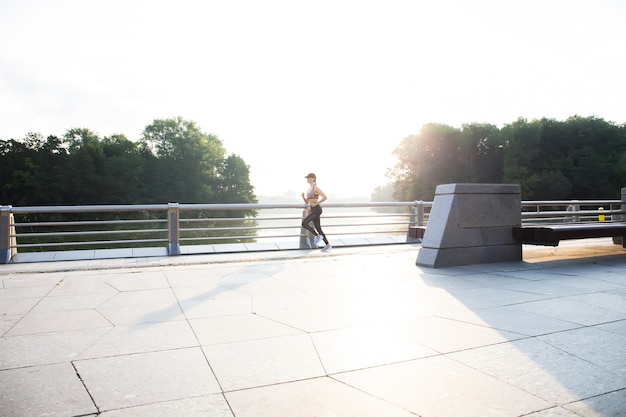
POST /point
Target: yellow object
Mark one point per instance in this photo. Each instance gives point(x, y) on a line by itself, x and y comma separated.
point(601, 214)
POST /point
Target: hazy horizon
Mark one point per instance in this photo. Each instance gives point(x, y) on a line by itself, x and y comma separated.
point(293, 196)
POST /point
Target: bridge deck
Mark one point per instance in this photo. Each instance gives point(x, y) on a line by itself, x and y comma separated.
point(359, 332)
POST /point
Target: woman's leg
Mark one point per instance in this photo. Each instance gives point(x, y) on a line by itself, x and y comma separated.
point(314, 217)
point(318, 226)
point(306, 222)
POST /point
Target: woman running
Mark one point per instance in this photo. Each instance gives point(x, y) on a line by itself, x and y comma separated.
point(314, 197)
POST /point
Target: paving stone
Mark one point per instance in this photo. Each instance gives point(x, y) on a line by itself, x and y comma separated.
point(444, 335)
point(311, 398)
point(49, 390)
point(603, 349)
point(364, 347)
point(542, 370)
point(58, 321)
point(264, 362)
point(611, 404)
point(47, 348)
point(140, 379)
point(439, 386)
point(207, 405)
point(142, 338)
point(237, 328)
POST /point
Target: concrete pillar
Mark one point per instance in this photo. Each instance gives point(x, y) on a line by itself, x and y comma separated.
point(6, 230)
point(173, 229)
point(472, 224)
point(416, 219)
point(306, 237)
point(620, 217)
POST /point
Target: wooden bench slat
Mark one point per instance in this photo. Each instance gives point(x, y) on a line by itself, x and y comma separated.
point(551, 234)
point(417, 232)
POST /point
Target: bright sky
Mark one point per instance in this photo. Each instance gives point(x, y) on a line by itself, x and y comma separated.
point(293, 86)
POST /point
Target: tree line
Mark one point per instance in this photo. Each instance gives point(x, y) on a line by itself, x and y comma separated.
point(579, 158)
point(174, 161)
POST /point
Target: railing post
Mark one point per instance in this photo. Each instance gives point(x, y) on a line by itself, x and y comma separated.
point(306, 239)
point(419, 213)
point(173, 229)
point(620, 217)
point(416, 218)
point(574, 208)
point(7, 243)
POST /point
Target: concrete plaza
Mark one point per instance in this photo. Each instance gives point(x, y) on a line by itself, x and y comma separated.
point(359, 332)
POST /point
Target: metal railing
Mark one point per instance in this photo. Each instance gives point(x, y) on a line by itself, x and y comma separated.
point(53, 228)
point(571, 211)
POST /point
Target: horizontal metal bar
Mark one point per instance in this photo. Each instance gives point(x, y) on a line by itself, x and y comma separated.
point(364, 224)
point(370, 232)
point(88, 209)
point(90, 233)
point(192, 239)
point(186, 229)
point(87, 223)
point(222, 229)
point(569, 213)
point(104, 242)
point(569, 202)
point(294, 218)
point(261, 206)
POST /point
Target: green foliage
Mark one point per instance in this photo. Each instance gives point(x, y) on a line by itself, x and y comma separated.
point(32, 170)
point(441, 154)
point(186, 161)
point(232, 181)
point(579, 158)
point(174, 161)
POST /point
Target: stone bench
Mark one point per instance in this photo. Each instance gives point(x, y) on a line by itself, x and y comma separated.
point(481, 223)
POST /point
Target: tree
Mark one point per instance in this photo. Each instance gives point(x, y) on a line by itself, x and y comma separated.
point(85, 180)
point(579, 158)
point(576, 158)
point(185, 163)
point(594, 151)
point(233, 181)
point(173, 162)
point(383, 193)
point(32, 170)
point(522, 141)
point(484, 150)
point(122, 168)
point(439, 154)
